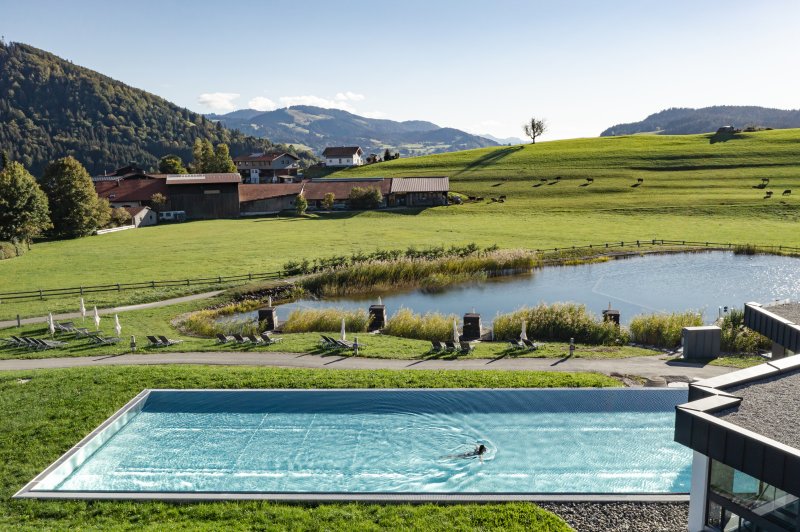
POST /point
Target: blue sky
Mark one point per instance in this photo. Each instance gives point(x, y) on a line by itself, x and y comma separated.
point(481, 66)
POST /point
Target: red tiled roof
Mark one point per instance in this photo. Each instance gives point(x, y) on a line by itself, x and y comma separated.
point(267, 191)
point(420, 184)
point(130, 189)
point(341, 151)
point(316, 190)
point(202, 179)
point(263, 157)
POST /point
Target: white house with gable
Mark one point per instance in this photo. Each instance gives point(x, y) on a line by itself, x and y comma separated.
point(343, 156)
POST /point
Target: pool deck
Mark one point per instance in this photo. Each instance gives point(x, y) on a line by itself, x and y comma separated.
point(648, 367)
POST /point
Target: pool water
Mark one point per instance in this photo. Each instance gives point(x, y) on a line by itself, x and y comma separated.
point(404, 441)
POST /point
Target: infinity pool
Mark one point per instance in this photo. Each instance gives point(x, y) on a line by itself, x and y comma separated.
point(382, 441)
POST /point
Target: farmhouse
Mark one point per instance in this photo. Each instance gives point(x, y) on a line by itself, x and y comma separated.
point(266, 199)
point(315, 191)
point(743, 429)
point(343, 156)
point(267, 167)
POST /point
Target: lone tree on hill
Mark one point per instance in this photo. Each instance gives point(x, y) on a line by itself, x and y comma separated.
point(24, 213)
point(75, 209)
point(535, 128)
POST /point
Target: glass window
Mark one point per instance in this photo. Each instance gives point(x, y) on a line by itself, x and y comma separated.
point(751, 494)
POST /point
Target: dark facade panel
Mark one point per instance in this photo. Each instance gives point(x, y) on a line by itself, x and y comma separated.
point(716, 441)
point(753, 458)
point(700, 435)
point(773, 466)
point(734, 450)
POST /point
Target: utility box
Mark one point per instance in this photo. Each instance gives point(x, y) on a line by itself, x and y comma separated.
point(701, 342)
point(269, 315)
point(377, 317)
point(472, 326)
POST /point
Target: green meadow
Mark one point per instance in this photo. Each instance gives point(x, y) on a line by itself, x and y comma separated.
point(692, 188)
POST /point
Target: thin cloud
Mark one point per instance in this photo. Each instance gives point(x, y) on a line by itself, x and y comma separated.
point(218, 101)
point(373, 114)
point(316, 101)
point(349, 96)
point(260, 103)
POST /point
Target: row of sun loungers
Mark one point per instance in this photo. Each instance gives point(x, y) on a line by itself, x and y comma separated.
point(332, 343)
point(450, 347)
point(37, 344)
point(263, 339)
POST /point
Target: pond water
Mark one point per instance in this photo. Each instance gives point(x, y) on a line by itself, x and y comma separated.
point(638, 285)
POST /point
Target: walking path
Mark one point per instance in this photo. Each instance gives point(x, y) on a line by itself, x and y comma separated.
point(115, 310)
point(643, 366)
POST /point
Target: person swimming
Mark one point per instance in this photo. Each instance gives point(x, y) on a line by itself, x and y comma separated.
point(479, 450)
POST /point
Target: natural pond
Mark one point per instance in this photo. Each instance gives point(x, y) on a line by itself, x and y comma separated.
point(638, 285)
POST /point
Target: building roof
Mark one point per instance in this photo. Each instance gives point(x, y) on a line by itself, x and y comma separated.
point(341, 151)
point(130, 189)
point(420, 184)
point(769, 407)
point(201, 179)
point(267, 191)
point(263, 157)
point(789, 310)
point(133, 211)
point(316, 190)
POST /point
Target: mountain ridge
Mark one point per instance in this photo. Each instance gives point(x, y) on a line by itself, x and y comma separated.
point(688, 121)
point(318, 128)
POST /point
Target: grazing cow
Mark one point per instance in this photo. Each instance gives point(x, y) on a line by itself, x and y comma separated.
point(787, 192)
point(640, 180)
point(590, 180)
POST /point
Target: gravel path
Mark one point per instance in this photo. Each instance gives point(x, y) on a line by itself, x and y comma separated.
point(115, 310)
point(622, 516)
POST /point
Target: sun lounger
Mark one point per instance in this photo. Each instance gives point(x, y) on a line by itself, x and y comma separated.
point(436, 346)
point(268, 340)
point(167, 341)
point(344, 344)
point(154, 342)
point(449, 346)
point(465, 347)
point(530, 345)
point(13, 341)
point(221, 338)
point(31, 343)
point(53, 344)
point(81, 332)
point(329, 343)
point(240, 339)
point(66, 327)
point(254, 339)
point(516, 344)
point(105, 340)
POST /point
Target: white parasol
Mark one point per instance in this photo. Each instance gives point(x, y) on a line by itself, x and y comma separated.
point(83, 310)
point(50, 324)
point(455, 332)
point(523, 335)
point(117, 326)
point(343, 333)
point(96, 318)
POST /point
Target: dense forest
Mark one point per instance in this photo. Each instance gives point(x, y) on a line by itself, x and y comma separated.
point(686, 121)
point(50, 108)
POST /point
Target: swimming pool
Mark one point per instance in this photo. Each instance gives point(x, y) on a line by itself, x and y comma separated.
point(243, 443)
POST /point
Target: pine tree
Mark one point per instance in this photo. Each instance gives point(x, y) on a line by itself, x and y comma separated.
point(23, 205)
point(222, 161)
point(75, 209)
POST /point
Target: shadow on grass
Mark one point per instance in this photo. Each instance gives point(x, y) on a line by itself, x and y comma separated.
point(489, 159)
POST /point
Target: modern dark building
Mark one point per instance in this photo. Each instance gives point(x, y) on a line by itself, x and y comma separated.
point(744, 428)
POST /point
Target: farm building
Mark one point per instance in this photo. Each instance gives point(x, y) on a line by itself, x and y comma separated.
point(204, 196)
point(418, 192)
point(343, 156)
point(265, 199)
point(142, 216)
point(267, 167)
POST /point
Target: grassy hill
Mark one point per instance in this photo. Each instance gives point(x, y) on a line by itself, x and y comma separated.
point(692, 190)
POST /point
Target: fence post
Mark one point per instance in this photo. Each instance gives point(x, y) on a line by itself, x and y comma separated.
point(41, 297)
point(187, 282)
point(81, 290)
point(19, 323)
point(250, 276)
point(118, 288)
point(152, 284)
point(220, 279)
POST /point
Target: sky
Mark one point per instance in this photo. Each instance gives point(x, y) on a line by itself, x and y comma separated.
point(481, 66)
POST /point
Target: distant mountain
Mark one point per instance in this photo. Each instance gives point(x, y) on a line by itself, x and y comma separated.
point(686, 121)
point(319, 128)
point(507, 140)
point(50, 108)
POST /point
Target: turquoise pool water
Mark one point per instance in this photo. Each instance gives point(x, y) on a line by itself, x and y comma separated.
point(404, 441)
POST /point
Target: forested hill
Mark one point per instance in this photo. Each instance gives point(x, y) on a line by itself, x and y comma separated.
point(686, 121)
point(50, 108)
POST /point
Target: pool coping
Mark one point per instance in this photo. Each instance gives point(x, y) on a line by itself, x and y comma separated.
point(120, 417)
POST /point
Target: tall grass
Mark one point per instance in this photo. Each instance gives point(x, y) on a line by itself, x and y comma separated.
point(663, 330)
point(430, 326)
point(736, 338)
point(560, 322)
point(326, 320)
point(405, 273)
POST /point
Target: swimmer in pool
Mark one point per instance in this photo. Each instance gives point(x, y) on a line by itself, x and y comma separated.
point(478, 451)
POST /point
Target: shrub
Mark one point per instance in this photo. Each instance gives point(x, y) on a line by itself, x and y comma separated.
point(300, 204)
point(560, 322)
point(119, 217)
point(663, 330)
point(328, 200)
point(364, 198)
point(431, 326)
point(745, 249)
point(9, 250)
point(736, 338)
point(326, 320)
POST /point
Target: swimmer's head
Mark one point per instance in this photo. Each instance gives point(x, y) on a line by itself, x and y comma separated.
point(481, 449)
